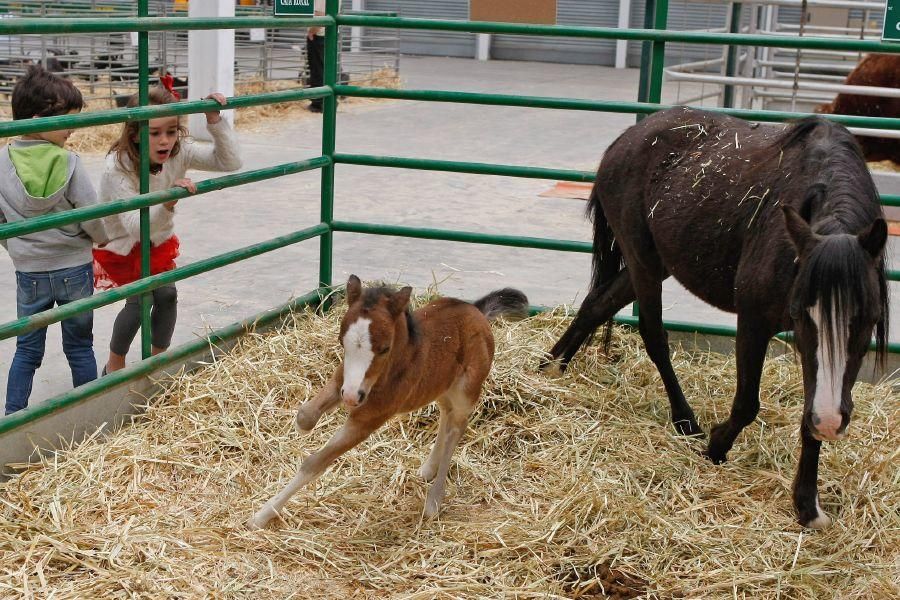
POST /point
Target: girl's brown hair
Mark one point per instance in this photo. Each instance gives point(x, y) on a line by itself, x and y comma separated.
point(127, 146)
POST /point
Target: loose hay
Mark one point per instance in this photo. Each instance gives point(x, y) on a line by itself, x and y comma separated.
point(562, 488)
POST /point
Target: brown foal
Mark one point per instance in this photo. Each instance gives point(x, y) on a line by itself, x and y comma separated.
point(396, 361)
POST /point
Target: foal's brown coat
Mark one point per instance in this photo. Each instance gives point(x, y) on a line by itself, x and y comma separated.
point(440, 353)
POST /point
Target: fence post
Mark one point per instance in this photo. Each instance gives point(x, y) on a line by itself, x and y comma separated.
point(660, 21)
point(644, 79)
point(329, 118)
point(734, 26)
point(210, 61)
point(144, 100)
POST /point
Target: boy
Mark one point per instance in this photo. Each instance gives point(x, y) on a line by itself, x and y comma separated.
point(38, 177)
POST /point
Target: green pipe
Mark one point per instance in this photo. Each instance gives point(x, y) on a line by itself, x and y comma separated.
point(722, 330)
point(646, 48)
point(613, 33)
point(463, 167)
point(329, 126)
point(123, 115)
point(144, 175)
point(734, 26)
point(104, 209)
point(147, 366)
point(484, 169)
point(514, 241)
point(149, 284)
point(611, 106)
point(58, 25)
point(658, 62)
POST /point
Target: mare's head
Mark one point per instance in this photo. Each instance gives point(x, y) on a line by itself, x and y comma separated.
point(368, 333)
point(838, 299)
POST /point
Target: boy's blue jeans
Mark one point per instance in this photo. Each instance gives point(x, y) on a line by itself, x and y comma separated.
point(36, 292)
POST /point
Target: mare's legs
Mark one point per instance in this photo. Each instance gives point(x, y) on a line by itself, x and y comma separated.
point(656, 340)
point(354, 431)
point(325, 400)
point(751, 342)
point(806, 496)
point(599, 306)
point(458, 403)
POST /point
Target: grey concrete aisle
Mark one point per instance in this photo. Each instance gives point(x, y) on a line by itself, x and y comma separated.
point(221, 221)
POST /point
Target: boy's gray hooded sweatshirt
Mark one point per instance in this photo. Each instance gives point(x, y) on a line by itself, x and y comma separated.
point(40, 178)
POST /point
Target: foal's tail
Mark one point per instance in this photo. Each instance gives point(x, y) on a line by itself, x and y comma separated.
point(508, 302)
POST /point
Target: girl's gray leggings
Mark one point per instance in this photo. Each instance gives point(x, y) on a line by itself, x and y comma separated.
point(162, 320)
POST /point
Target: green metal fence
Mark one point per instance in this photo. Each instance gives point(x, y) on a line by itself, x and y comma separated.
point(648, 102)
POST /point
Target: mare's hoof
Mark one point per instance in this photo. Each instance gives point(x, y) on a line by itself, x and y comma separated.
point(716, 457)
point(688, 427)
point(553, 367)
point(813, 517)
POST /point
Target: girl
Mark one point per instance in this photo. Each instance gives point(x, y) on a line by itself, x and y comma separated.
point(119, 261)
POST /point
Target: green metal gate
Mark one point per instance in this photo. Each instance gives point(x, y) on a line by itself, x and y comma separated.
point(648, 102)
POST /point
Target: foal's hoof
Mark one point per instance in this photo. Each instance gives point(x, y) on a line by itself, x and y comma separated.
point(428, 472)
point(305, 423)
point(262, 518)
point(431, 509)
point(552, 367)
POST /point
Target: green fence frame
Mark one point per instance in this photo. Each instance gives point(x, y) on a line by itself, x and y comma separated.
point(648, 102)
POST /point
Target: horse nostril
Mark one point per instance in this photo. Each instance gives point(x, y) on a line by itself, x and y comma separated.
point(362, 395)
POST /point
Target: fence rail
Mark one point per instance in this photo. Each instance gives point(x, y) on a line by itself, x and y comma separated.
point(648, 102)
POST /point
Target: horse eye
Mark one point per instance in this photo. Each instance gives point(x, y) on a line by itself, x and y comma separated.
point(384, 350)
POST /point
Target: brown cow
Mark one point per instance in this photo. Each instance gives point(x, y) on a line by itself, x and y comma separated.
point(878, 70)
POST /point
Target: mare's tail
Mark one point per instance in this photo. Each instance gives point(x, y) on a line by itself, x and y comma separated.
point(508, 302)
point(607, 261)
point(607, 256)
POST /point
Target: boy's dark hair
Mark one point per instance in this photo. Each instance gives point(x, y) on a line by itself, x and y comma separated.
point(40, 93)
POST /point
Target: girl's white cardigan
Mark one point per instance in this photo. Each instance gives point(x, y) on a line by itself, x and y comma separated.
point(124, 229)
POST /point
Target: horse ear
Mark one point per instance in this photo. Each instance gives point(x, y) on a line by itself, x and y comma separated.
point(354, 289)
point(874, 238)
point(798, 229)
point(399, 301)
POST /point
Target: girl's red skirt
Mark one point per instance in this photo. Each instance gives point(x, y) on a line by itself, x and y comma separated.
point(112, 270)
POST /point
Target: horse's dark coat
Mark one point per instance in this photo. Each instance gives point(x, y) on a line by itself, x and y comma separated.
point(760, 221)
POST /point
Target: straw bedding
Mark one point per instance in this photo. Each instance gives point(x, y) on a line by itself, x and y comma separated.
point(574, 487)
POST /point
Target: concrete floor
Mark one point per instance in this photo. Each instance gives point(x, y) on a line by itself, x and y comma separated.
point(221, 221)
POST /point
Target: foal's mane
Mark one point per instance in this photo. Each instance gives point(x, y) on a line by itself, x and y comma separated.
point(372, 295)
point(841, 199)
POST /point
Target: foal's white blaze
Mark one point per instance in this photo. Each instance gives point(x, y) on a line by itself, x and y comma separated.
point(826, 409)
point(358, 356)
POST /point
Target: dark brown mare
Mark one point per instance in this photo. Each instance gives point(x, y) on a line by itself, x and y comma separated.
point(781, 226)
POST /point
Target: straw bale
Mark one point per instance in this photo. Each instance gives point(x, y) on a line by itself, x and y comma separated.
point(884, 165)
point(97, 140)
point(575, 487)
